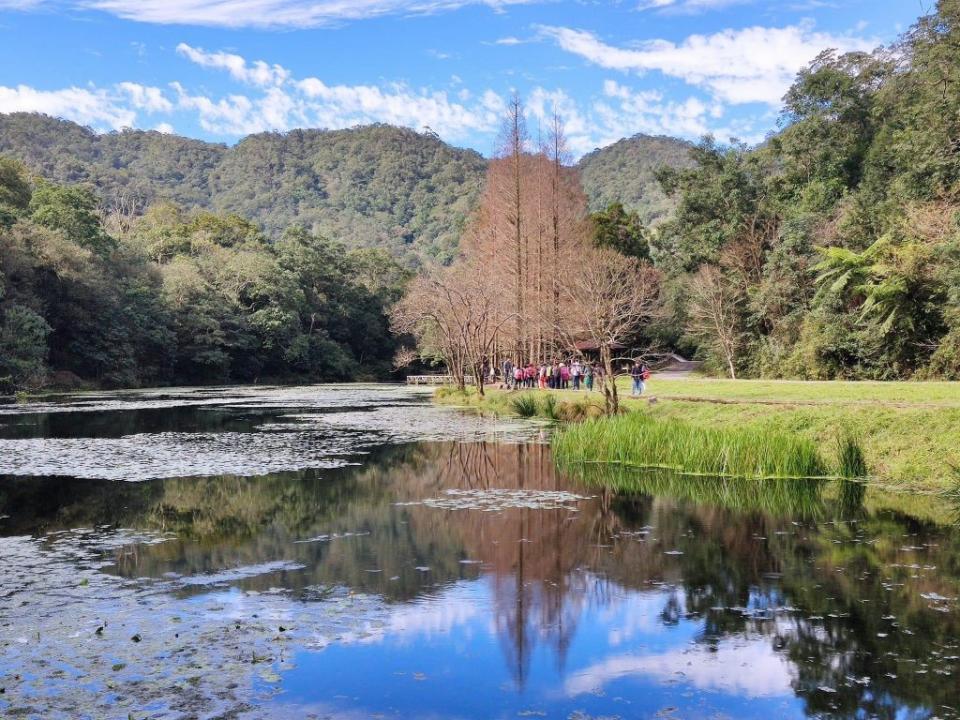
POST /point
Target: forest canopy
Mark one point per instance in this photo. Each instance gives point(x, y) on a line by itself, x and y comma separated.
point(177, 296)
point(831, 251)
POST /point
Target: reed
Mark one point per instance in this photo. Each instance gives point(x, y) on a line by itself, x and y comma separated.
point(548, 407)
point(636, 439)
point(524, 405)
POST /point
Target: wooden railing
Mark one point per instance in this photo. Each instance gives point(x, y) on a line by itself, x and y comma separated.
point(435, 380)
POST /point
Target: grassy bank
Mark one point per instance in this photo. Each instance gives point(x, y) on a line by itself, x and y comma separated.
point(910, 432)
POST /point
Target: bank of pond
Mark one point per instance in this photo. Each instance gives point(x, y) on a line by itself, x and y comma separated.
point(738, 440)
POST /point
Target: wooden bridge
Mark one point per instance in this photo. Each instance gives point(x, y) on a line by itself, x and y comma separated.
point(435, 380)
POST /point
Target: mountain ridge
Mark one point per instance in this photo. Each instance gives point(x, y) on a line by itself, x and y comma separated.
point(373, 185)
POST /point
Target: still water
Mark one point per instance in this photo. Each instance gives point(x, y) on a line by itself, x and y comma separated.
point(355, 552)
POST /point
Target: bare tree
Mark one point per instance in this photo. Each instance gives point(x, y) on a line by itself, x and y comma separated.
point(607, 301)
point(456, 314)
point(713, 314)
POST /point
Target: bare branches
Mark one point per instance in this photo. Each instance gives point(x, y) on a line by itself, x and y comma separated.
point(713, 316)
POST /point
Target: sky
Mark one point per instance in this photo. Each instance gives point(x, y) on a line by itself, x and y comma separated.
point(222, 69)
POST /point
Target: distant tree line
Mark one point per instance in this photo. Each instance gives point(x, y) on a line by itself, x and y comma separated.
point(120, 299)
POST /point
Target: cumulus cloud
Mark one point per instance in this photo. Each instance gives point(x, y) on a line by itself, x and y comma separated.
point(255, 73)
point(288, 102)
point(275, 13)
point(97, 108)
point(755, 64)
point(143, 97)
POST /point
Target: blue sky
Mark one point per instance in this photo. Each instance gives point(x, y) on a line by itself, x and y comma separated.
point(221, 69)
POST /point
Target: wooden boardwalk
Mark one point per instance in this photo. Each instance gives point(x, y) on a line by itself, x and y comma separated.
point(434, 380)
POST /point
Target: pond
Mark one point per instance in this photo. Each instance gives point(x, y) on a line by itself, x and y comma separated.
point(357, 552)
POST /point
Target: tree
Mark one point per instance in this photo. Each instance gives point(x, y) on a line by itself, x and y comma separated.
point(456, 314)
point(619, 230)
point(713, 315)
point(607, 301)
point(23, 348)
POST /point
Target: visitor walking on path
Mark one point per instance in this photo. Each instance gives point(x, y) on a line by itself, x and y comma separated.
point(640, 374)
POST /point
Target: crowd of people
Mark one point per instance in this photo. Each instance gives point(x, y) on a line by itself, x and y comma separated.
point(563, 375)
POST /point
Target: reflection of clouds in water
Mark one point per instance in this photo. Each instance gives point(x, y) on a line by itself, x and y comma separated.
point(458, 608)
point(636, 615)
point(747, 667)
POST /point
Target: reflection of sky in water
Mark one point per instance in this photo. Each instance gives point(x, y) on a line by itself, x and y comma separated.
point(443, 657)
point(448, 578)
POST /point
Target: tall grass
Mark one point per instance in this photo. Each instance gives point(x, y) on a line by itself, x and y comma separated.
point(638, 440)
point(524, 405)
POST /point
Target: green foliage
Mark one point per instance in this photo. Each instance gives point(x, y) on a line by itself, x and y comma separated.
point(637, 439)
point(14, 191)
point(377, 186)
point(837, 239)
point(182, 297)
point(625, 172)
point(524, 405)
point(620, 230)
point(71, 210)
point(23, 348)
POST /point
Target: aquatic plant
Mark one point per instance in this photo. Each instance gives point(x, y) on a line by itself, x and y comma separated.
point(637, 439)
point(851, 463)
point(524, 405)
point(549, 407)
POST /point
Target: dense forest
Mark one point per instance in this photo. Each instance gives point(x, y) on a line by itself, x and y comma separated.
point(831, 251)
point(626, 173)
point(172, 296)
point(376, 186)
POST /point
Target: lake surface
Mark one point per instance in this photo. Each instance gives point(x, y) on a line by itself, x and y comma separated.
point(355, 552)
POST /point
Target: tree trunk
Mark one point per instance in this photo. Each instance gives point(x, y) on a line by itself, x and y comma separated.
point(610, 397)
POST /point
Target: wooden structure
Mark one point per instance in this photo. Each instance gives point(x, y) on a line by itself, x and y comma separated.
point(434, 380)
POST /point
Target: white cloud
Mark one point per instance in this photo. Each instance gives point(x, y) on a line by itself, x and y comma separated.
point(255, 73)
point(770, 673)
point(690, 6)
point(146, 98)
point(754, 64)
point(19, 4)
point(275, 13)
point(288, 102)
point(100, 109)
point(165, 128)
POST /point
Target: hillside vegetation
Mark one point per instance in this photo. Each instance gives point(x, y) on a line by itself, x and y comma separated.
point(375, 186)
point(625, 173)
point(833, 250)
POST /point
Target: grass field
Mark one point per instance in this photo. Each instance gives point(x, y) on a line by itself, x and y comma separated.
point(910, 432)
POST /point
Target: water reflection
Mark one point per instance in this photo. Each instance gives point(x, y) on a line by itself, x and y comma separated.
point(701, 596)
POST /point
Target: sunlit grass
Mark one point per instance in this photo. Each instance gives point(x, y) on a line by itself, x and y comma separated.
point(639, 440)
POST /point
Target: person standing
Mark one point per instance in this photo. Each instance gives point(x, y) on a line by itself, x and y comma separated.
point(588, 376)
point(575, 373)
point(636, 374)
point(507, 373)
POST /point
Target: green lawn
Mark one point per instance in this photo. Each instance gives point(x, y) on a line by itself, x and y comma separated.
point(910, 432)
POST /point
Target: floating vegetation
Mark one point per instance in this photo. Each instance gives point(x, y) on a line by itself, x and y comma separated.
point(494, 500)
point(638, 440)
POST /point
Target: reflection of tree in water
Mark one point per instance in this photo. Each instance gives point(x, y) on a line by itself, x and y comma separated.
point(742, 563)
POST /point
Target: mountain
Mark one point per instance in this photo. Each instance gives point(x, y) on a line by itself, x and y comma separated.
point(624, 172)
point(376, 185)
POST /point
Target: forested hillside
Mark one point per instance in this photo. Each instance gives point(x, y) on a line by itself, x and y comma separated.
point(834, 249)
point(178, 297)
point(375, 186)
point(625, 173)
